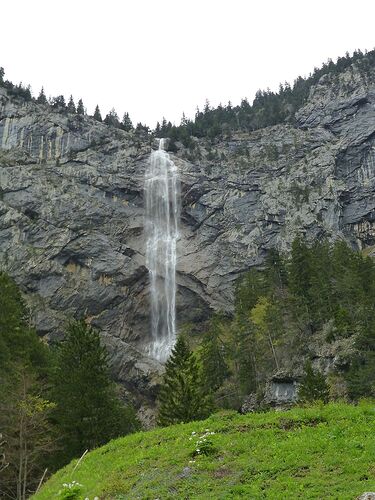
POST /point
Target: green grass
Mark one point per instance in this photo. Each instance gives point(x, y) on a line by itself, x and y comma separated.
point(325, 452)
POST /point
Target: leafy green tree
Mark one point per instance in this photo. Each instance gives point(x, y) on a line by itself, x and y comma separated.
point(24, 365)
point(182, 397)
point(97, 114)
point(28, 437)
point(71, 106)
point(313, 386)
point(88, 412)
point(2, 73)
point(80, 108)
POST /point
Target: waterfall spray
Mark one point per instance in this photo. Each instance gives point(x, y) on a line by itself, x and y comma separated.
point(161, 225)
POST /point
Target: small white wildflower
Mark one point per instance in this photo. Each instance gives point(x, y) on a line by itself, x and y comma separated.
point(193, 433)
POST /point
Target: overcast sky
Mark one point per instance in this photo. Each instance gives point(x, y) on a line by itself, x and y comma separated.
point(160, 58)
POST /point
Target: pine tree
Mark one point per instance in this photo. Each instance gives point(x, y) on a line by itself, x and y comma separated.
point(97, 114)
point(59, 102)
point(80, 108)
point(71, 106)
point(19, 344)
point(112, 119)
point(157, 129)
point(42, 99)
point(182, 397)
point(88, 413)
point(126, 123)
point(215, 368)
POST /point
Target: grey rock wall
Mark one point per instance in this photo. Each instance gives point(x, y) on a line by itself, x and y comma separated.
point(71, 211)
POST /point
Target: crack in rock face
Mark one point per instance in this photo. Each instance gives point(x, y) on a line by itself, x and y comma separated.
point(72, 212)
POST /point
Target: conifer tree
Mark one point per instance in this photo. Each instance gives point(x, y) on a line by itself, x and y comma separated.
point(126, 123)
point(42, 99)
point(215, 368)
point(112, 119)
point(97, 114)
point(59, 102)
point(182, 397)
point(88, 413)
point(71, 106)
point(80, 108)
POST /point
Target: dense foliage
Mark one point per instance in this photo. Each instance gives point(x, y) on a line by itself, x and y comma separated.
point(182, 396)
point(88, 413)
point(318, 293)
point(268, 107)
point(51, 407)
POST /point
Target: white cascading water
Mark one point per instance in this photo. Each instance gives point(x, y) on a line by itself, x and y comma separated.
point(162, 197)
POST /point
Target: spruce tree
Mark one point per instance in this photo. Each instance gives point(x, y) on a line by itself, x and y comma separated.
point(88, 413)
point(182, 397)
point(97, 114)
point(126, 123)
point(42, 99)
point(112, 119)
point(71, 106)
point(80, 108)
point(58, 102)
point(215, 368)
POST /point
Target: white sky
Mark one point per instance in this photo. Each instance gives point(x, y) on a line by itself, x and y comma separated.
point(160, 58)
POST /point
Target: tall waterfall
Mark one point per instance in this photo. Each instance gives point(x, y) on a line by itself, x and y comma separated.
point(162, 213)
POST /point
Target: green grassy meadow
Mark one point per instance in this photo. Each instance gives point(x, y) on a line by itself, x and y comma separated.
point(324, 451)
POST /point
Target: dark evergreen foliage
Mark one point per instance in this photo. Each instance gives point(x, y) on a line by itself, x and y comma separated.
point(212, 356)
point(112, 119)
point(126, 123)
point(88, 413)
point(80, 108)
point(42, 99)
point(268, 107)
point(313, 386)
point(280, 308)
point(71, 108)
point(97, 114)
point(59, 103)
point(182, 396)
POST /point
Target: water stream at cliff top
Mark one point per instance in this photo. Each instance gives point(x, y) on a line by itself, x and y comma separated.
point(162, 197)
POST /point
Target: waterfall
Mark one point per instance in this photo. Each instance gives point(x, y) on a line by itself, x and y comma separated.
point(161, 225)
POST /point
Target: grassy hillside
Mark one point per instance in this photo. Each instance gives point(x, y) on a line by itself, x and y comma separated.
point(318, 452)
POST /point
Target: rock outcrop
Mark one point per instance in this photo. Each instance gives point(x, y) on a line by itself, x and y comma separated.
point(71, 210)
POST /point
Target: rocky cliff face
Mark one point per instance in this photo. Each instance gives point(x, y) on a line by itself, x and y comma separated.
point(71, 210)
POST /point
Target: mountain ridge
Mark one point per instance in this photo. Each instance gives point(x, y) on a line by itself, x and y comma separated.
point(71, 210)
